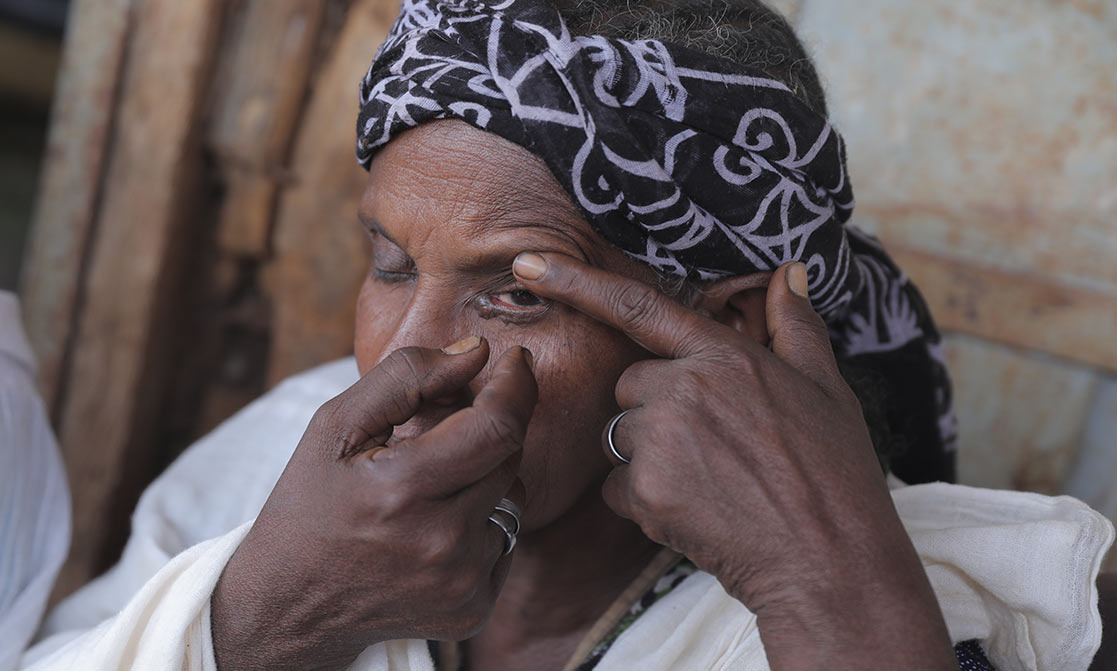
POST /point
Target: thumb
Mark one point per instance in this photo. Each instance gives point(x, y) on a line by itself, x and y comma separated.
point(797, 333)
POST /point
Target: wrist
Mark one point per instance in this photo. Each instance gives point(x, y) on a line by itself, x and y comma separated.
point(841, 622)
point(260, 623)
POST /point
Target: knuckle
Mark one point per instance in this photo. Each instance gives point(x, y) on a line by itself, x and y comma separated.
point(634, 304)
point(651, 492)
point(500, 428)
point(441, 549)
point(470, 623)
point(332, 434)
point(406, 366)
point(393, 500)
point(461, 587)
point(688, 389)
point(805, 326)
point(844, 395)
point(326, 416)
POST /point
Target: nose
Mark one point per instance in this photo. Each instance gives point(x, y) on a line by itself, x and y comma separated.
point(431, 320)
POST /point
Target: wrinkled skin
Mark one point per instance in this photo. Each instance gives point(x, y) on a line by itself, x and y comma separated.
point(748, 451)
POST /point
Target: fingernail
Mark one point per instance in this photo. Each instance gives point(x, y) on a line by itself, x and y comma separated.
point(797, 280)
point(462, 346)
point(529, 358)
point(529, 266)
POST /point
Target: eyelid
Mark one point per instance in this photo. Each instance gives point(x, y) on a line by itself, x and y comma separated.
point(391, 277)
point(488, 308)
point(383, 247)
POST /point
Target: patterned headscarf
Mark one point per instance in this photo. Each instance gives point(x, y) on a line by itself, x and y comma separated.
point(695, 165)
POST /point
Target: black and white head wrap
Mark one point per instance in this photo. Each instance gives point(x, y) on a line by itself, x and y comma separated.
point(695, 165)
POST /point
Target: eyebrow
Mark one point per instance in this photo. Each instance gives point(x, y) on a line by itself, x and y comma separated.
point(499, 261)
point(374, 224)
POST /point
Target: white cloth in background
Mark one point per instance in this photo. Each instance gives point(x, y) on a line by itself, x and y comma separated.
point(34, 497)
point(1014, 570)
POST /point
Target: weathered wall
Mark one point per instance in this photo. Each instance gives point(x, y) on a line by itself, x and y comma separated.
point(983, 148)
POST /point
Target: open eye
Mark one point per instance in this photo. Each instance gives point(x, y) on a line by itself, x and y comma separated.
point(513, 305)
point(519, 298)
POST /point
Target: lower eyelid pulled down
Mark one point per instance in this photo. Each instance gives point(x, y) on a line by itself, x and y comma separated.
point(489, 306)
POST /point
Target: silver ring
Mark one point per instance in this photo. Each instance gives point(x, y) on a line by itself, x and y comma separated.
point(506, 506)
point(609, 437)
point(510, 530)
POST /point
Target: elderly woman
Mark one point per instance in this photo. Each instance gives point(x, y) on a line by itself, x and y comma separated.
point(599, 422)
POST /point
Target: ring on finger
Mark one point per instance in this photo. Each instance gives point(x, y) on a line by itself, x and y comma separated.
point(609, 437)
point(513, 511)
point(510, 528)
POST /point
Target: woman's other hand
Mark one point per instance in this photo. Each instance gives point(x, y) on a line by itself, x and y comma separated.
point(360, 542)
point(757, 464)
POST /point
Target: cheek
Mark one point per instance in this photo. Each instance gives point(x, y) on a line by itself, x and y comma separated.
point(577, 371)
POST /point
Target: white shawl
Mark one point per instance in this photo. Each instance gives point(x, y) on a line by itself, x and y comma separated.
point(1014, 570)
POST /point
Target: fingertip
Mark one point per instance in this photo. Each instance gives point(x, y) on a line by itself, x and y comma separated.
point(470, 350)
point(529, 266)
point(463, 346)
point(796, 276)
point(791, 276)
point(515, 355)
point(464, 359)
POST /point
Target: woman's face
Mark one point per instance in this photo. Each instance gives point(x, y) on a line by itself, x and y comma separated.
point(448, 207)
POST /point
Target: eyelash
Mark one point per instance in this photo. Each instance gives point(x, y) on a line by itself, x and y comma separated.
point(391, 277)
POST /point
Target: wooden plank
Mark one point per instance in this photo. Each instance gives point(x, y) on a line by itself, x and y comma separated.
point(320, 254)
point(73, 169)
point(1022, 310)
point(125, 343)
point(261, 84)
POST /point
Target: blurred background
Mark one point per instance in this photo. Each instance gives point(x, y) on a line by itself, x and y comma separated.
point(178, 195)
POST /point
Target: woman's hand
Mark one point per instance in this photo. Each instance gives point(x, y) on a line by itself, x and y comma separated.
point(757, 465)
point(360, 543)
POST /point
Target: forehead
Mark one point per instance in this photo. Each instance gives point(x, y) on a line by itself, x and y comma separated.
point(450, 174)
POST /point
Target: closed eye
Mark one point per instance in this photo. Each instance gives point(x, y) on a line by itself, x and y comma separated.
point(391, 276)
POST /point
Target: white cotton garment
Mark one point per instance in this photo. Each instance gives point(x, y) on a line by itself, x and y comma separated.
point(1014, 570)
point(34, 497)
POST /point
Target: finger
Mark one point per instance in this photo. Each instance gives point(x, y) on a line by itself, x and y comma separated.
point(656, 322)
point(490, 488)
point(643, 380)
point(503, 562)
point(500, 562)
point(364, 415)
point(616, 493)
point(468, 445)
point(798, 334)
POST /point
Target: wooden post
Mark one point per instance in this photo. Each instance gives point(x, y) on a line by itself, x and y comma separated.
point(73, 172)
point(261, 84)
point(320, 254)
point(126, 342)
